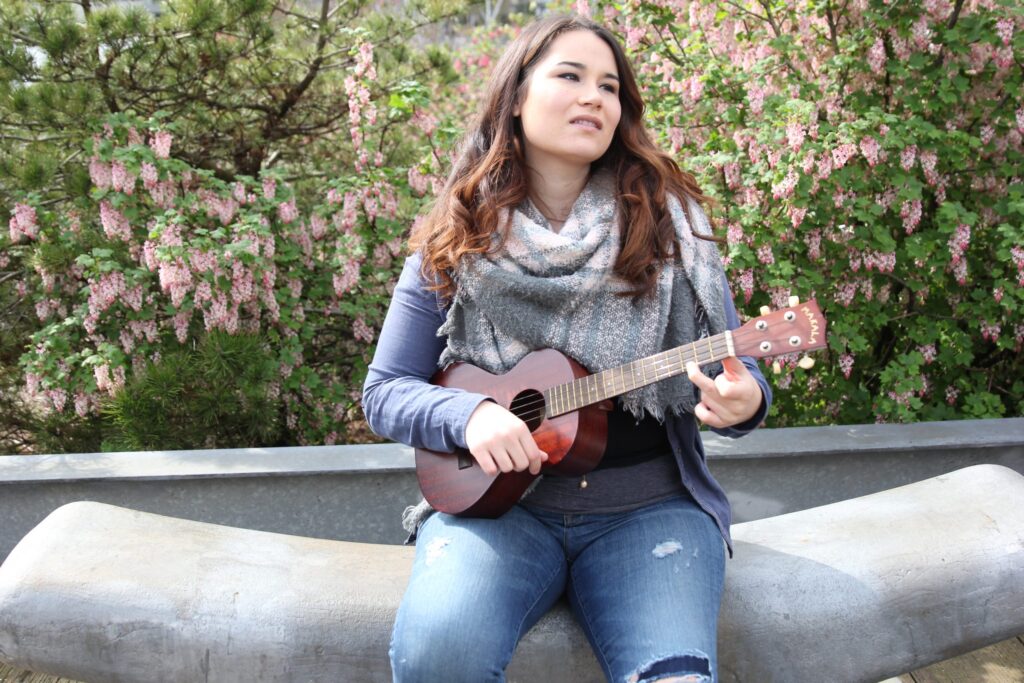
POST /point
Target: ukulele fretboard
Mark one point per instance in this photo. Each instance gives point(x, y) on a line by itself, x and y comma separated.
point(570, 396)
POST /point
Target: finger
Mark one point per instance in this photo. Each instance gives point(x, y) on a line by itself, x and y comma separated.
point(699, 379)
point(733, 366)
point(534, 453)
point(705, 415)
point(502, 460)
point(517, 454)
point(486, 463)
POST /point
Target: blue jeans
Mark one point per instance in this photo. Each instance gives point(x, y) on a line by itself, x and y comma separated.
point(645, 585)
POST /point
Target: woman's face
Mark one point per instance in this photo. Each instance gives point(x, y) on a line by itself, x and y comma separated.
point(571, 107)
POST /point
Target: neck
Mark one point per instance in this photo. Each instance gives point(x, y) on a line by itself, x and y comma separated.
point(555, 189)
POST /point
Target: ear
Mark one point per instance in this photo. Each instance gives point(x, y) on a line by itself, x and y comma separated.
point(516, 109)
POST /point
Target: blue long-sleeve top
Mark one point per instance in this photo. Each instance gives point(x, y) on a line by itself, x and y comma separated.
point(400, 403)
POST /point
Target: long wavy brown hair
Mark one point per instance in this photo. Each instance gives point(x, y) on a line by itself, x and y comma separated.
point(489, 176)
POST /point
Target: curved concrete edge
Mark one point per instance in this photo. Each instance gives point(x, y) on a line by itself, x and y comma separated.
point(854, 591)
point(912, 575)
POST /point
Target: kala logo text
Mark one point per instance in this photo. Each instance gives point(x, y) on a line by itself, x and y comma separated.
point(813, 321)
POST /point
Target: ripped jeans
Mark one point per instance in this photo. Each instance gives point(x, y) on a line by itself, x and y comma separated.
point(645, 585)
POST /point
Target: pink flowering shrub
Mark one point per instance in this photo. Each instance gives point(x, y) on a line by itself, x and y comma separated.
point(868, 156)
point(162, 255)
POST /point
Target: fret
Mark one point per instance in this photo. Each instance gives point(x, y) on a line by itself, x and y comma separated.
point(730, 349)
point(711, 349)
point(643, 371)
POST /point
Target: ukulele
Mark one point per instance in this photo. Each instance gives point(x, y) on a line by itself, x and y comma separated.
point(566, 407)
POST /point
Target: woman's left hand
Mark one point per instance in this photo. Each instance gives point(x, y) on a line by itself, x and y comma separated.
point(729, 399)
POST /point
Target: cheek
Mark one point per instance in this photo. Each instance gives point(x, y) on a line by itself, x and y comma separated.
point(616, 117)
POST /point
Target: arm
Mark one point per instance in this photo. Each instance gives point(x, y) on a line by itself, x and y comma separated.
point(398, 400)
point(401, 404)
point(737, 401)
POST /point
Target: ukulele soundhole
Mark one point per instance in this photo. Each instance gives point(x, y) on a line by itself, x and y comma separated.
point(528, 406)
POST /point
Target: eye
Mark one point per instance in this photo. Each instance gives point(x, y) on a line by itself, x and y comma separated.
point(570, 75)
point(610, 88)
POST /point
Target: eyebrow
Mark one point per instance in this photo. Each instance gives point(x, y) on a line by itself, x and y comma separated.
point(583, 67)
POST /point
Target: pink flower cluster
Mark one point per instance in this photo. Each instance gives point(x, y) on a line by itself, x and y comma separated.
point(361, 331)
point(1004, 29)
point(161, 144)
point(47, 307)
point(929, 353)
point(347, 278)
point(224, 208)
point(908, 156)
point(877, 58)
point(121, 180)
point(287, 211)
point(842, 154)
point(883, 262)
point(115, 224)
point(1017, 254)
point(959, 242)
point(871, 151)
point(747, 284)
point(425, 121)
point(106, 382)
point(846, 364)
point(990, 332)
point(814, 245)
point(845, 292)
point(24, 222)
point(105, 291)
point(928, 161)
point(360, 105)
point(910, 212)
point(795, 134)
point(785, 187)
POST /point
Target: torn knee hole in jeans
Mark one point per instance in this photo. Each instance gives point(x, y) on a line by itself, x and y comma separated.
point(687, 668)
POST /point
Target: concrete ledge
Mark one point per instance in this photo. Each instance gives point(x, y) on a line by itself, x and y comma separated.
point(357, 492)
point(854, 591)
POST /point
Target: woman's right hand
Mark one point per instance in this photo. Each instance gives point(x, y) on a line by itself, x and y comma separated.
point(500, 441)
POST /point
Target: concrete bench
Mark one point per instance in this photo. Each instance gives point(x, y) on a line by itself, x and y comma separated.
point(853, 591)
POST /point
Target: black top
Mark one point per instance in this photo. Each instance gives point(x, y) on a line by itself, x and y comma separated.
point(631, 442)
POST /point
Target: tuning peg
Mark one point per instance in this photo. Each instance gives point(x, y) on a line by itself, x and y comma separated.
point(806, 362)
point(794, 301)
point(776, 367)
point(765, 310)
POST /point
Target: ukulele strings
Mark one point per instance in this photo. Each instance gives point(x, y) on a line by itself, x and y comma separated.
point(534, 409)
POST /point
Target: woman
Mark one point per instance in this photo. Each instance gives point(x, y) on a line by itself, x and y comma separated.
point(563, 226)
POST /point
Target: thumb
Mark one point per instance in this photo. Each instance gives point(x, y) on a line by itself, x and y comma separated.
point(733, 368)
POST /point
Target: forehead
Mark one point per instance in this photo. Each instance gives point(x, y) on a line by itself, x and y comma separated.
point(581, 47)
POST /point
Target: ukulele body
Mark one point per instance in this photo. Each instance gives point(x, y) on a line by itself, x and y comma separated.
point(574, 441)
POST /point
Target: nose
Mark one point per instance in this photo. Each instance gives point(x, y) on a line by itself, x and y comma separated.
point(591, 95)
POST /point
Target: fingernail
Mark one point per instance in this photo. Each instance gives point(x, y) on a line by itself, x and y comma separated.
point(691, 368)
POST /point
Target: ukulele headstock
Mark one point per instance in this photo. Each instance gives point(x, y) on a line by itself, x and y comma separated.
point(800, 327)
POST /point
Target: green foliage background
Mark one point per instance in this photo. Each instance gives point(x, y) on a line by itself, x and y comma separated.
point(796, 117)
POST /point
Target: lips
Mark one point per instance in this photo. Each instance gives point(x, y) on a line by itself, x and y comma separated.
point(587, 121)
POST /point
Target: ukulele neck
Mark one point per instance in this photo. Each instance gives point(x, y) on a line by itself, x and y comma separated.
point(584, 391)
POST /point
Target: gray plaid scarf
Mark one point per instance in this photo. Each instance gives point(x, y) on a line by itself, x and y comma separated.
point(558, 290)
